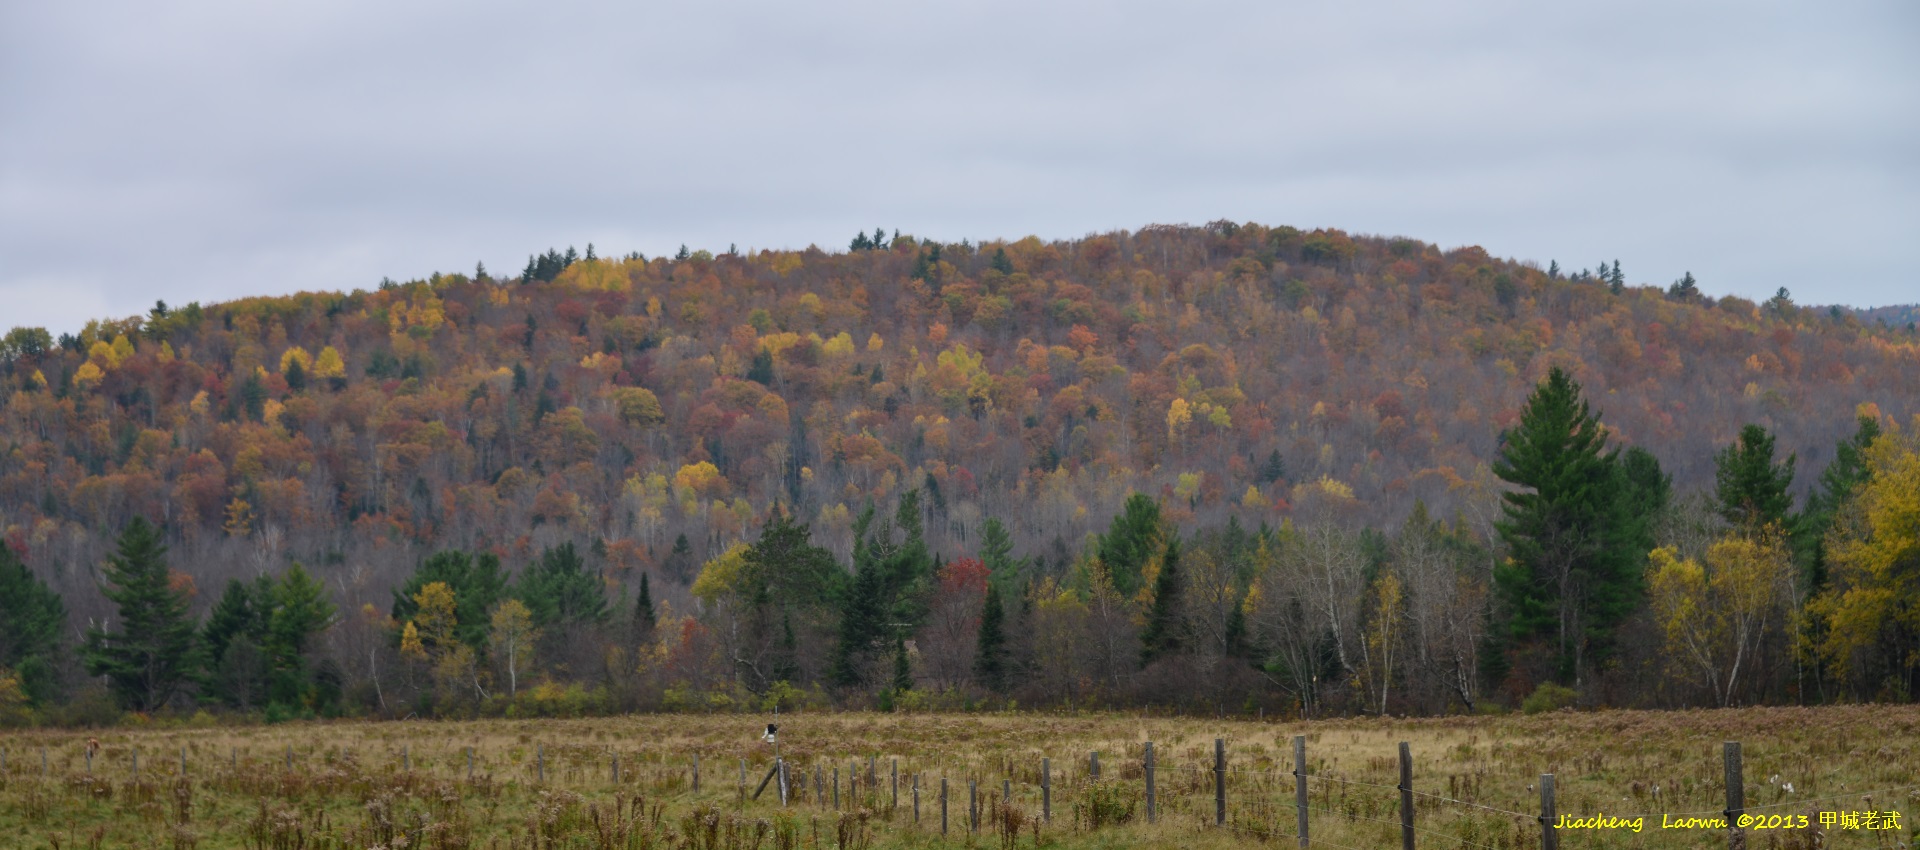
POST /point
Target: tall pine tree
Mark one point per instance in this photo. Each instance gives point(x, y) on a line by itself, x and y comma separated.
point(1573, 572)
point(31, 616)
point(1162, 634)
point(1750, 486)
point(147, 654)
point(990, 650)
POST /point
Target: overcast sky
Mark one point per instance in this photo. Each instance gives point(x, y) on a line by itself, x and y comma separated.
point(210, 150)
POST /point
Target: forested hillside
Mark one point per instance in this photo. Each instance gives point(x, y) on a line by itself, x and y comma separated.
point(587, 438)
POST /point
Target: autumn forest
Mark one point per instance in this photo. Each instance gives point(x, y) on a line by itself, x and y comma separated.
point(1229, 468)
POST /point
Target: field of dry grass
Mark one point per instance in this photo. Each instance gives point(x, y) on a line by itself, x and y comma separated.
point(551, 783)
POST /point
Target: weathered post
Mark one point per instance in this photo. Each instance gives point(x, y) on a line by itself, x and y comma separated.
point(183, 761)
point(1219, 782)
point(289, 756)
point(1406, 797)
point(896, 783)
point(1549, 838)
point(89, 760)
point(696, 773)
point(540, 761)
point(1149, 768)
point(836, 788)
point(943, 805)
point(785, 791)
point(1093, 765)
point(1046, 789)
point(819, 786)
point(469, 764)
point(973, 806)
point(1736, 792)
point(615, 759)
point(916, 798)
point(406, 759)
point(136, 764)
point(1300, 784)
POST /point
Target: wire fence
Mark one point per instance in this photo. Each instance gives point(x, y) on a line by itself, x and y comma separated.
point(1311, 804)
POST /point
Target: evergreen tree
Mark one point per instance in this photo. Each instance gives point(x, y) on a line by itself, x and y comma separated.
point(1573, 573)
point(1162, 634)
point(902, 669)
point(296, 375)
point(477, 582)
point(1553, 269)
point(1684, 289)
point(990, 651)
point(236, 672)
point(558, 589)
point(679, 564)
point(300, 611)
point(645, 618)
point(1000, 261)
point(1130, 540)
point(762, 369)
point(32, 616)
point(996, 551)
point(1751, 488)
point(1838, 482)
point(150, 653)
point(1275, 469)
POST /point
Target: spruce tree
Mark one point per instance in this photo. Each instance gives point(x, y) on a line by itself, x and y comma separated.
point(32, 615)
point(1162, 634)
point(1750, 486)
point(1129, 541)
point(1573, 573)
point(990, 649)
point(644, 615)
point(148, 653)
point(558, 589)
point(902, 669)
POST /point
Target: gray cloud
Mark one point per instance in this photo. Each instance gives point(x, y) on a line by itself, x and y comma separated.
point(203, 151)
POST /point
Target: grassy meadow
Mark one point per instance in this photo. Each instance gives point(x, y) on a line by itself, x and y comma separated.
point(551, 783)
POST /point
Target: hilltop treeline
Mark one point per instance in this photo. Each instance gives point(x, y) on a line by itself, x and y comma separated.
point(900, 418)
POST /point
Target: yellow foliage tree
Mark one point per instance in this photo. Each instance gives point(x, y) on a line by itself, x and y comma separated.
point(1717, 611)
point(719, 576)
point(296, 353)
point(1179, 416)
point(701, 479)
point(435, 618)
point(1873, 601)
point(513, 634)
point(329, 364)
point(87, 375)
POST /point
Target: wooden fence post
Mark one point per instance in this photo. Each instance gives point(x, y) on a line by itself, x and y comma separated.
point(406, 759)
point(1736, 792)
point(819, 786)
point(1149, 768)
point(696, 773)
point(943, 805)
point(1549, 838)
point(1219, 782)
point(183, 761)
point(1046, 789)
point(1093, 765)
point(289, 756)
point(1300, 784)
point(89, 761)
point(1406, 797)
point(469, 764)
point(785, 791)
point(540, 761)
point(896, 783)
point(136, 764)
point(615, 759)
point(973, 806)
point(916, 799)
point(873, 779)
